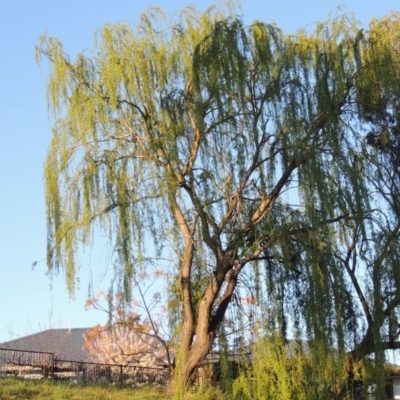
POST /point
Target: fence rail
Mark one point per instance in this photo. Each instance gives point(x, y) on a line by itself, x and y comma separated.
point(41, 365)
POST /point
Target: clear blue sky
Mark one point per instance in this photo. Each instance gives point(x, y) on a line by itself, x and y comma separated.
point(27, 304)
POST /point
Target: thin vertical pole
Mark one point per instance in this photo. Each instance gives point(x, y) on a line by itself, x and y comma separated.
point(52, 367)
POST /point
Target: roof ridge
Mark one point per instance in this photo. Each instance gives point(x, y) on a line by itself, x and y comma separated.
point(31, 335)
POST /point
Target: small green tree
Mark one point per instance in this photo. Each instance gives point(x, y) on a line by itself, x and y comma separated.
point(241, 151)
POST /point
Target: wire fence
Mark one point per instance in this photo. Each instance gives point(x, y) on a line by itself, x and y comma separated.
point(42, 365)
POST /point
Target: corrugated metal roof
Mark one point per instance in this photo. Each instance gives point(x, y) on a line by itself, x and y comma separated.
point(64, 343)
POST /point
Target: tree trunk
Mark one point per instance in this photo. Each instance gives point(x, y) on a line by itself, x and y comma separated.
point(208, 322)
point(185, 371)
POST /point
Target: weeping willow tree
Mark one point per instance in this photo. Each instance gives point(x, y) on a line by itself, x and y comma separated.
point(245, 153)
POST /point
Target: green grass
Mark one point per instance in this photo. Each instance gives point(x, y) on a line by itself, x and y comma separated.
point(21, 389)
point(17, 389)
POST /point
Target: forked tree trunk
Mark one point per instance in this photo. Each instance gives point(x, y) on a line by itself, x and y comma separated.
point(184, 371)
point(206, 328)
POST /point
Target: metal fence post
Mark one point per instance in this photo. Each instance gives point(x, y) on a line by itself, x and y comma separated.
point(52, 367)
point(84, 374)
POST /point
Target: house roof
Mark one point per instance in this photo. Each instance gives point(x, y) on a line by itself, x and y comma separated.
point(66, 344)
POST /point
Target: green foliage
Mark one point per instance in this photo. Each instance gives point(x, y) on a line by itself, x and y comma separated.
point(226, 369)
point(253, 160)
point(285, 371)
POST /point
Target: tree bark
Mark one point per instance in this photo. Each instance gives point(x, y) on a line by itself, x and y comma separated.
point(208, 323)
